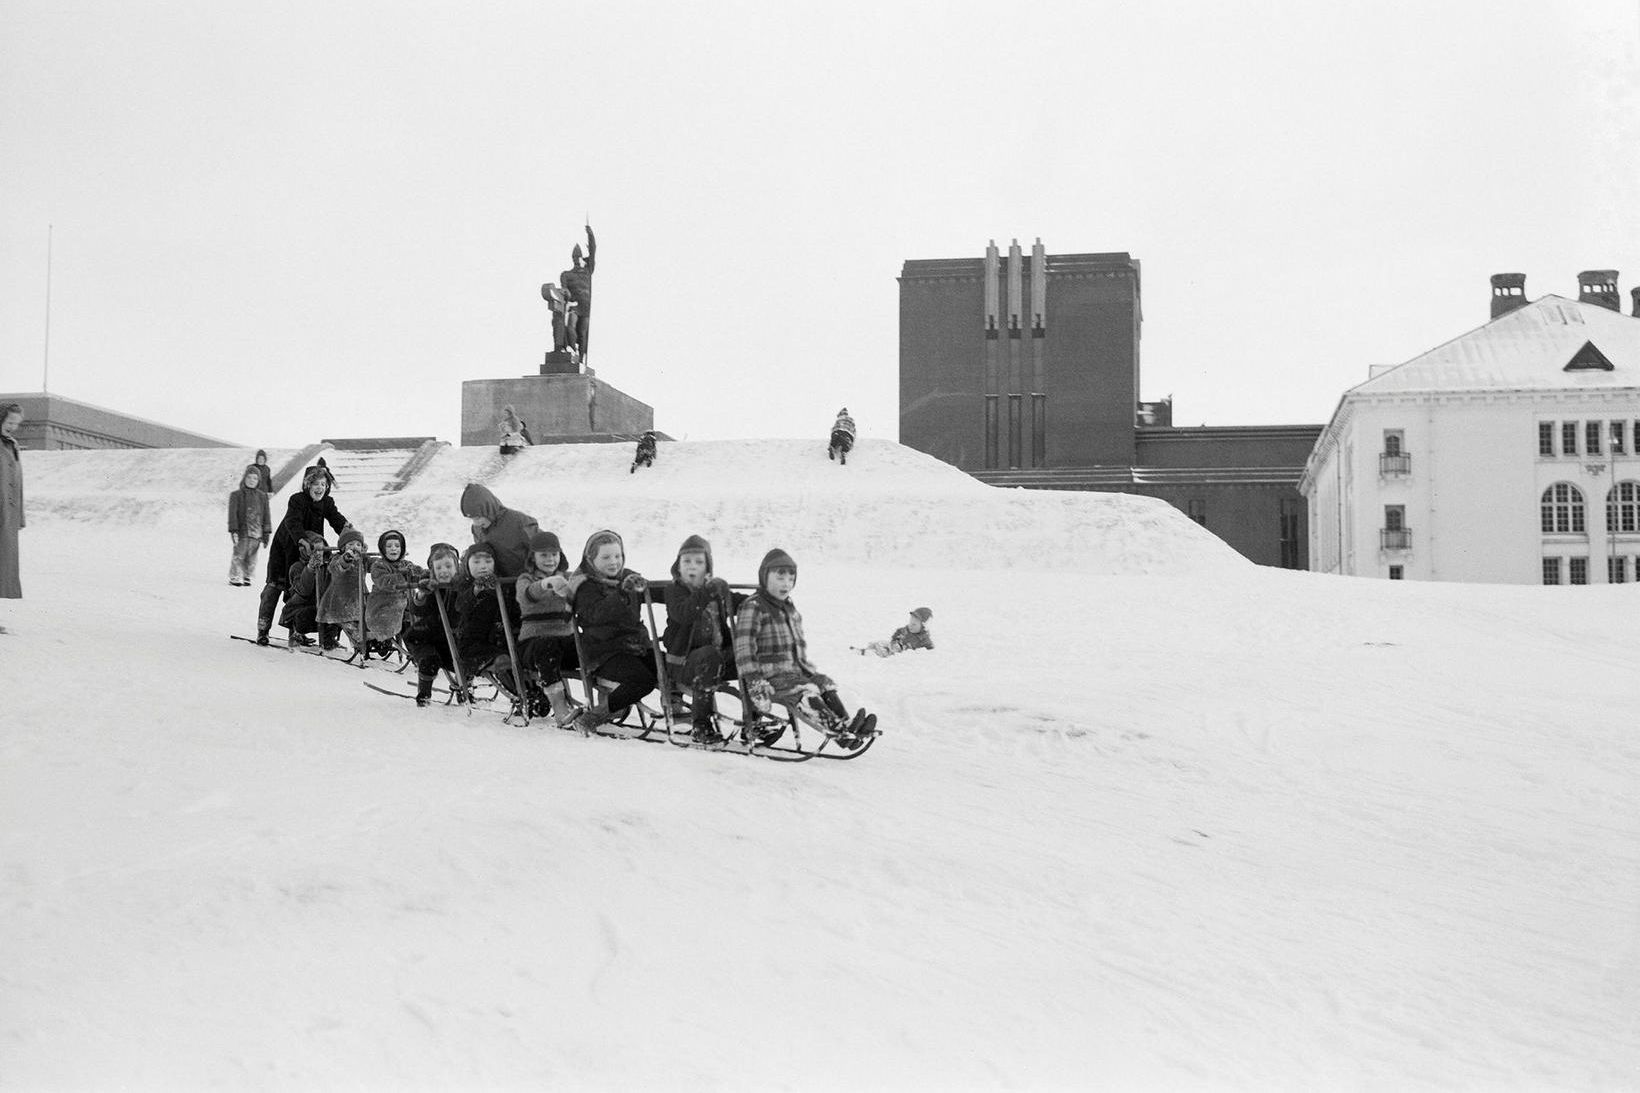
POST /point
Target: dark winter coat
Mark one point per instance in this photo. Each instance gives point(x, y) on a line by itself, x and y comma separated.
point(509, 532)
point(423, 626)
point(610, 618)
point(264, 473)
point(301, 597)
point(302, 514)
point(11, 519)
point(245, 505)
point(480, 637)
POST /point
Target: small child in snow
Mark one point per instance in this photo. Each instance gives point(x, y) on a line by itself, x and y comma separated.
point(424, 637)
point(339, 604)
point(842, 436)
point(481, 639)
point(391, 574)
point(607, 608)
point(546, 635)
point(772, 657)
point(699, 646)
point(645, 455)
point(913, 635)
point(250, 524)
point(301, 611)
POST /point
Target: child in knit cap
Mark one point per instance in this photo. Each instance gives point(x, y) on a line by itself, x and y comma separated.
point(424, 637)
point(547, 633)
point(481, 639)
point(913, 635)
point(699, 646)
point(301, 611)
point(250, 525)
point(772, 657)
point(339, 605)
point(608, 606)
point(391, 575)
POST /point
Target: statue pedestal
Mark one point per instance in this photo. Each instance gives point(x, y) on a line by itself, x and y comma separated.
point(559, 408)
point(560, 363)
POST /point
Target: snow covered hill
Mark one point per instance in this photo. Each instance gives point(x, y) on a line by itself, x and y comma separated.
point(1148, 816)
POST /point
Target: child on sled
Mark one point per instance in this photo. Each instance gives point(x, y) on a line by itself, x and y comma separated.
point(771, 655)
point(607, 608)
point(546, 635)
point(301, 611)
point(699, 646)
point(424, 637)
point(481, 639)
point(339, 606)
point(391, 575)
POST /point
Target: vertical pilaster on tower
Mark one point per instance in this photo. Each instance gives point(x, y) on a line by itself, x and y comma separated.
point(1039, 288)
point(993, 261)
point(1016, 288)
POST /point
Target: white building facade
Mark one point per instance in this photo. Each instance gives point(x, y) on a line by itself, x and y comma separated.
point(1507, 455)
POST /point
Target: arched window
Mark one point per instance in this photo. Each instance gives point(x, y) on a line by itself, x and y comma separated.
point(1563, 510)
point(1623, 507)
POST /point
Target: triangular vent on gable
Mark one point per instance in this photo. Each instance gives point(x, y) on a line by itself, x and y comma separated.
point(1588, 359)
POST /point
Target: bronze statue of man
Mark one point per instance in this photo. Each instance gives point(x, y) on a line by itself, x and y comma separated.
point(577, 282)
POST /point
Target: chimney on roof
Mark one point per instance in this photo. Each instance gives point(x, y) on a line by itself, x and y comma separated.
point(1508, 292)
point(1599, 286)
point(1634, 294)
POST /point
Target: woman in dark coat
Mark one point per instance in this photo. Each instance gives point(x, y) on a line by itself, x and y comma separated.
point(11, 502)
point(309, 510)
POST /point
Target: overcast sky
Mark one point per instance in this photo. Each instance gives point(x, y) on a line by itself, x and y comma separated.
point(275, 222)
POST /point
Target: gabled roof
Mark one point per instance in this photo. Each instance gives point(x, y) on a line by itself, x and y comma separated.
point(1527, 349)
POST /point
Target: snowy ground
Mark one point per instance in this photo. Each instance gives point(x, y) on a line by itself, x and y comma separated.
point(1148, 817)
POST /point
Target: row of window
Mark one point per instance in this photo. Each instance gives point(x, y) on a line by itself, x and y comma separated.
point(1575, 570)
point(1586, 437)
point(1563, 509)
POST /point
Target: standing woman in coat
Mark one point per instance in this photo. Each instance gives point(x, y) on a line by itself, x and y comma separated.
point(11, 501)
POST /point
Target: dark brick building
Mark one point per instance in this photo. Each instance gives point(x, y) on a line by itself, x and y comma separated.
point(1023, 369)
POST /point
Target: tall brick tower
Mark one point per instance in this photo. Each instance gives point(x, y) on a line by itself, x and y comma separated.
point(994, 351)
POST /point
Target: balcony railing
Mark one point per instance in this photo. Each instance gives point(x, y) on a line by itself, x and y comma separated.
point(1393, 463)
point(1395, 538)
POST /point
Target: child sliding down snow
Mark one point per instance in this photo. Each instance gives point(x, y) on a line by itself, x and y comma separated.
point(607, 607)
point(771, 655)
point(424, 636)
point(913, 635)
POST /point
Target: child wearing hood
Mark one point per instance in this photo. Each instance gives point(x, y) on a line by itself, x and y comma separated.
point(506, 530)
point(607, 607)
point(699, 647)
point(308, 510)
point(515, 435)
point(391, 574)
point(546, 634)
point(339, 605)
point(250, 524)
point(645, 455)
point(301, 613)
point(481, 638)
point(772, 656)
point(424, 638)
point(913, 635)
point(264, 473)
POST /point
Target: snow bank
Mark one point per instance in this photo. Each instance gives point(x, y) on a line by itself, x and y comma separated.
point(745, 496)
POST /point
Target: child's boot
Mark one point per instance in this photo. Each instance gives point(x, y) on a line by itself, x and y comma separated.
point(424, 688)
point(562, 713)
point(704, 721)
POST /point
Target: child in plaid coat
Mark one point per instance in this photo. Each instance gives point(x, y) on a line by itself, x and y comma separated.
point(772, 657)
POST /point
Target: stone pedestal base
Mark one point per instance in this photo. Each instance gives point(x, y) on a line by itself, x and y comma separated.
point(560, 363)
point(558, 408)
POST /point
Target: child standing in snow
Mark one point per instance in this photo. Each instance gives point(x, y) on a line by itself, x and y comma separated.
point(339, 606)
point(645, 455)
point(301, 613)
point(607, 606)
point(546, 635)
point(250, 524)
point(699, 646)
point(772, 657)
point(424, 636)
point(391, 574)
point(913, 635)
point(842, 436)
